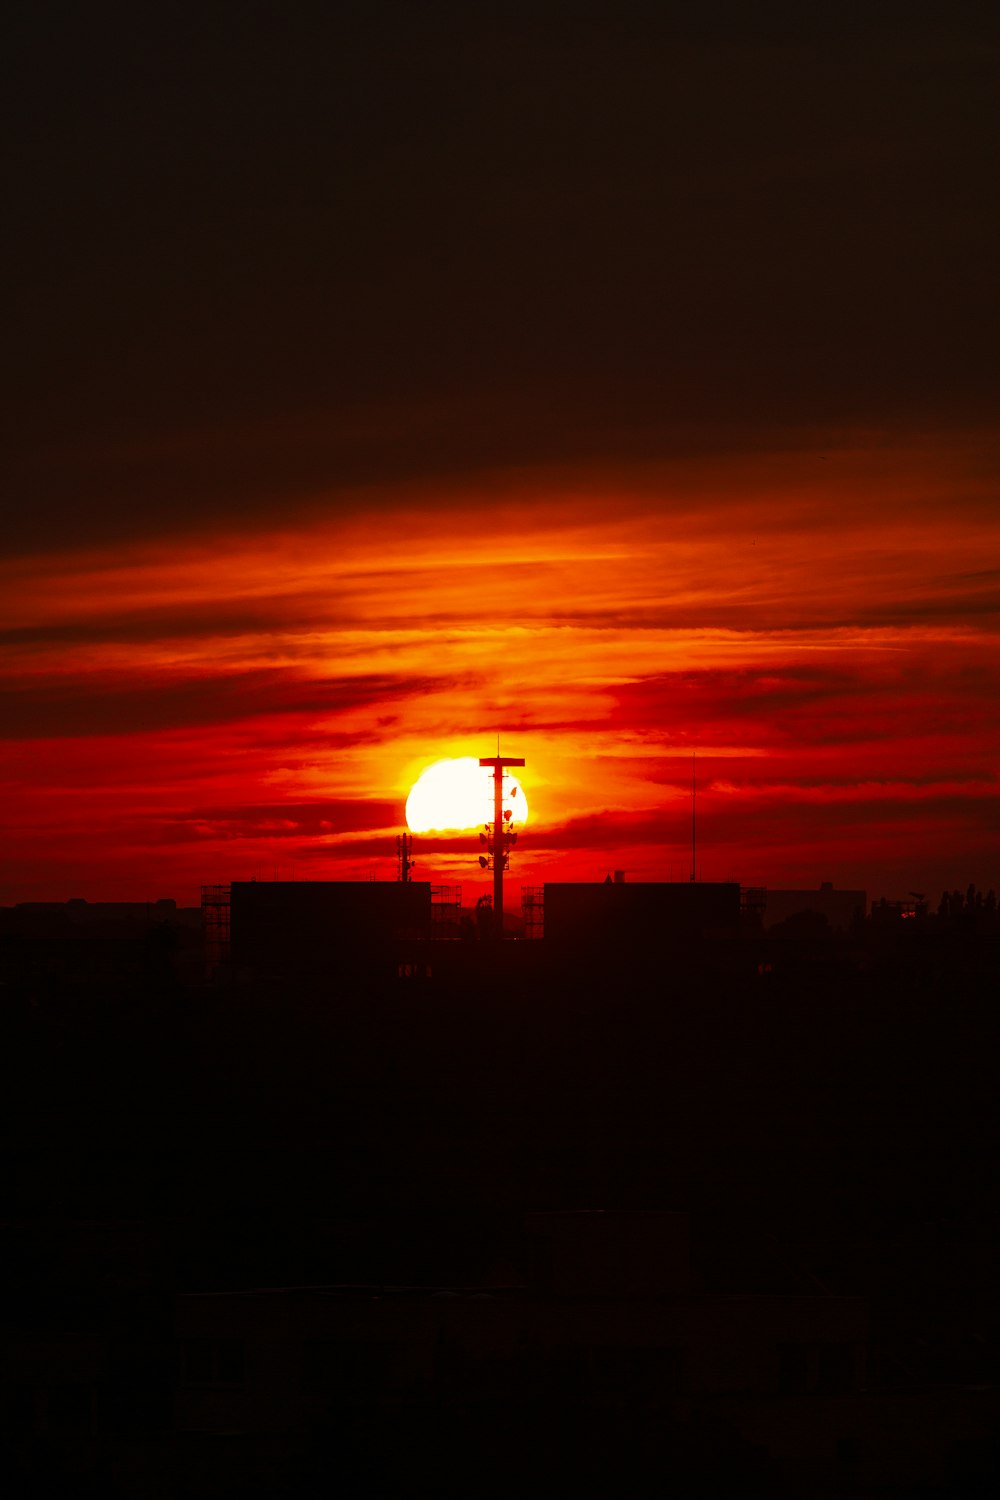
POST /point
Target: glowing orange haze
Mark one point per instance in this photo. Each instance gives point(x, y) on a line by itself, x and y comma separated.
point(822, 629)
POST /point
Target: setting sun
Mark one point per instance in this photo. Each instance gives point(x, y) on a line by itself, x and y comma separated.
point(453, 795)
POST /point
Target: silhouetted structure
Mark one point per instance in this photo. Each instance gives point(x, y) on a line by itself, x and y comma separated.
point(446, 913)
point(500, 840)
point(260, 1244)
point(694, 821)
point(215, 920)
point(885, 913)
point(404, 857)
point(593, 1329)
point(840, 908)
point(321, 928)
point(100, 942)
point(533, 911)
point(81, 918)
point(639, 916)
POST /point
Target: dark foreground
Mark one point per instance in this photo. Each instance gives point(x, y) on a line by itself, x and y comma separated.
point(709, 1222)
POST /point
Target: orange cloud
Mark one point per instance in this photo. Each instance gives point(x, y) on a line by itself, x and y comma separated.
point(822, 628)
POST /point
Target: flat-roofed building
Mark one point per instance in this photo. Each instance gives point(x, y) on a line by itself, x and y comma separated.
point(314, 927)
point(639, 914)
point(840, 908)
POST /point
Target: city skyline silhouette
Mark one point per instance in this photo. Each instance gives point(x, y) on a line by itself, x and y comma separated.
point(610, 389)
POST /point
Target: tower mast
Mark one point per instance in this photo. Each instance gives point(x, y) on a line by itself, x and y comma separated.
point(404, 851)
point(694, 825)
point(499, 845)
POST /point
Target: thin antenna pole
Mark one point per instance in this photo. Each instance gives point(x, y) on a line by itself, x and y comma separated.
point(694, 816)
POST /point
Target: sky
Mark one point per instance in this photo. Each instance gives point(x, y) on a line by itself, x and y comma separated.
point(382, 378)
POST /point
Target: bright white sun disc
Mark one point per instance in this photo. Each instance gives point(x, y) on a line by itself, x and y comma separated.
point(455, 795)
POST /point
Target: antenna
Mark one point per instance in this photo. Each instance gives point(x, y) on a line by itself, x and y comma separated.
point(500, 837)
point(404, 849)
point(694, 816)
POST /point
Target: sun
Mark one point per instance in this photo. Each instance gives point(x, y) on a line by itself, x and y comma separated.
point(455, 795)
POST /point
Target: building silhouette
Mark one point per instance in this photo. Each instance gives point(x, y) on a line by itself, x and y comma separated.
point(841, 908)
point(658, 1198)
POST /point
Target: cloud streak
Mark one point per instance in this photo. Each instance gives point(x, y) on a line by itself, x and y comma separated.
point(823, 633)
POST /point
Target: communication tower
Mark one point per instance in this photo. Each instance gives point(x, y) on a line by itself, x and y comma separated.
point(694, 824)
point(499, 836)
point(404, 850)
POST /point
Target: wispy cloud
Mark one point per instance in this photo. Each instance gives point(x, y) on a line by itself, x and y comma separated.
point(822, 632)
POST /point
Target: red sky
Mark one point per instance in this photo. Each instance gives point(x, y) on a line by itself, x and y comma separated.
point(821, 627)
point(621, 379)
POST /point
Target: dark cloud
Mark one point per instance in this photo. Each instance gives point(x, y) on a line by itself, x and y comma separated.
point(734, 822)
point(970, 604)
point(859, 822)
point(279, 822)
point(181, 620)
point(262, 256)
point(71, 707)
point(843, 699)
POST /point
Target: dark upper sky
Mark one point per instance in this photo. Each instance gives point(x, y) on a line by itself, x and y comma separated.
point(260, 252)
